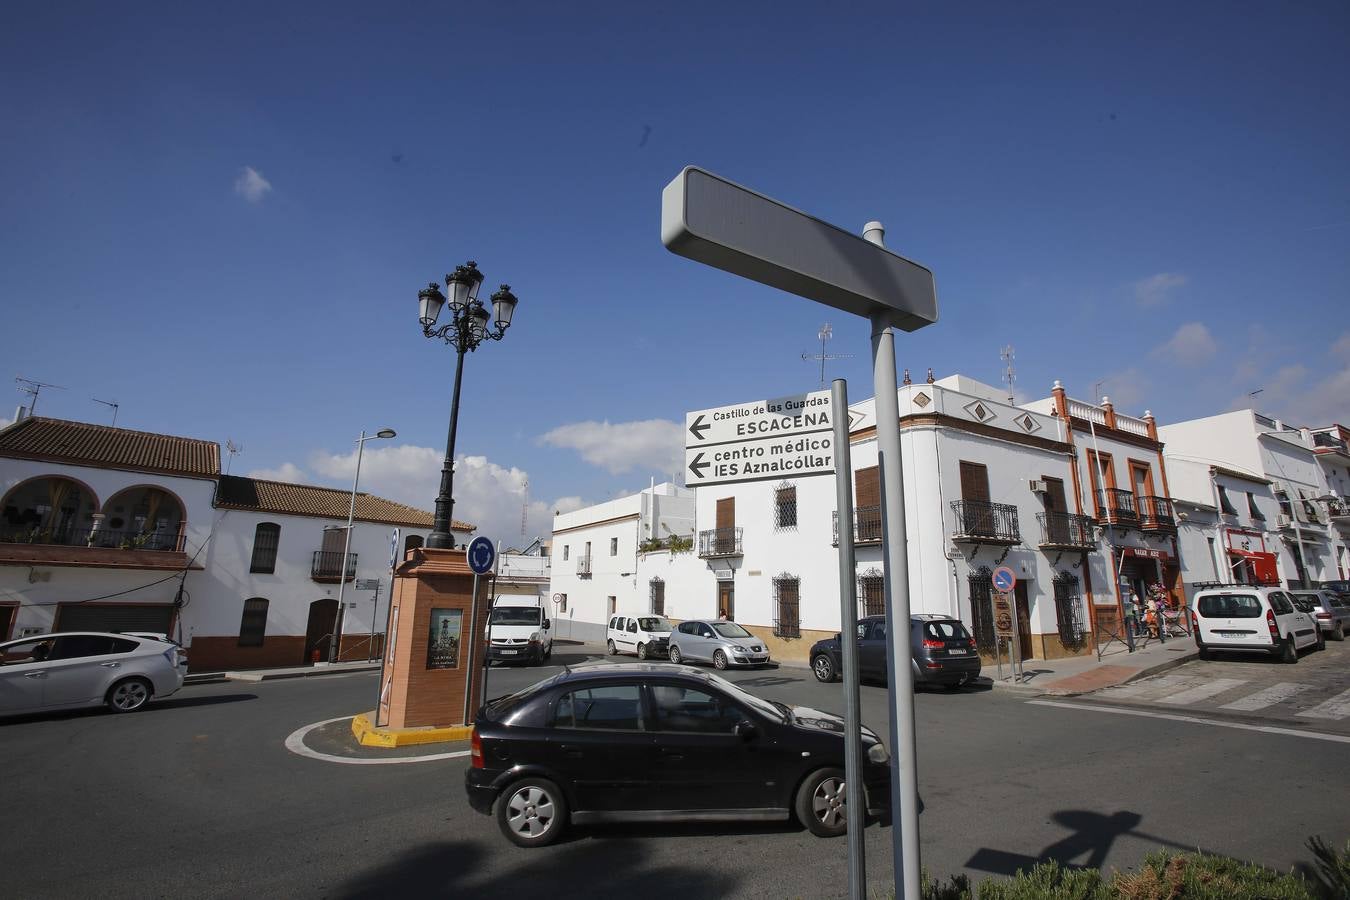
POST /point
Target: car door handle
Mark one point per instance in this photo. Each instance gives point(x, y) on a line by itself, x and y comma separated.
point(671, 754)
point(111, 665)
point(35, 675)
point(571, 751)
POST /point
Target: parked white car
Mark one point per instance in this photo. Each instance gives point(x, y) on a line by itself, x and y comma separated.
point(1252, 617)
point(518, 633)
point(643, 636)
point(68, 670)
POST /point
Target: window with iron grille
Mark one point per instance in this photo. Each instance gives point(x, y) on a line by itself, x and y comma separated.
point(871, 594)
point(1068, 610)
point(613, 546)
point(266, 538)
point(253, 625)
point(658, 597)
point(787, 606)
point(785, 506)
point(981, 583)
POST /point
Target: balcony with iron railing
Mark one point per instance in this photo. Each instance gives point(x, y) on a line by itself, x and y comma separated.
point(1325, 441)
point(866, 525)
point(1339, 510)
point(1116, 506)
point(327, 567)
point(719, 542)
point(1156, 514)
point(983, 522)
point(65, 544)
point(1066, 531)
point(584, 564)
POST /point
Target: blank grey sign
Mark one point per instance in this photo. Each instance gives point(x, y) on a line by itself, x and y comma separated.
point(711, 220)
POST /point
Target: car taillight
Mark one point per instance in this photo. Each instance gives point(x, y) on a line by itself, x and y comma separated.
point(1270, 623)
point(1324, 615)
point(972, 643)
point(476, 750)
point(933, 645)
point(1195, 622)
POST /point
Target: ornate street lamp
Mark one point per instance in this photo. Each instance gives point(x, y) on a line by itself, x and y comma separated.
point(470, 324)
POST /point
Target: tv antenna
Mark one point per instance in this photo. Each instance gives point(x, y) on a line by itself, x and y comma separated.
point(824, 335)
point(1009, 374)
point(524, 508)
point(32, 389)
point(233, 450)
point(112, 403)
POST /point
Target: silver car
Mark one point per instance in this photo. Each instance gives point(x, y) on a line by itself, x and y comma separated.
point(717, 641)
point(1330, 609)
point(71, 669)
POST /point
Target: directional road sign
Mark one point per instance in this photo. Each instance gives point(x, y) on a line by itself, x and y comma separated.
point(772, 457)
point(481, 555)
point(711, 220)
point(1004, 579)
point(367, 584)
point(776, 417)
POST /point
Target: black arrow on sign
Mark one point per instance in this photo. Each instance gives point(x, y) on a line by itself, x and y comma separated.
point(697, 464)
point(698, 428)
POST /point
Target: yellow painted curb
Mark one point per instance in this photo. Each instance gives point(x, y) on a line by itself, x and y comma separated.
point(369, 736)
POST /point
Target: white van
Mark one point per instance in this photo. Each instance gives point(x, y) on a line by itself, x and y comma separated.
point(645, 636)
point(1252, 617)
point(519, 633)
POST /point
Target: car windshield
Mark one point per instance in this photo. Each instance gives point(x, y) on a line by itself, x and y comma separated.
point(759, 704)
point(654, 623)
point(731, 630)
point(515, 615)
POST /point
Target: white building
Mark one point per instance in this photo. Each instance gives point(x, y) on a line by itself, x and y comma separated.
point(1332, 446)
point(108, 528)
point(1297, 528)
point(595, 555)
point(986, 484)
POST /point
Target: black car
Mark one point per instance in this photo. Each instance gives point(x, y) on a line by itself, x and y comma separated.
point(941, 651)
point(655, 742)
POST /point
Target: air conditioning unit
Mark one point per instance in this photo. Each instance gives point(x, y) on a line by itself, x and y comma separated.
point(1038, 486)
point(1282, 521)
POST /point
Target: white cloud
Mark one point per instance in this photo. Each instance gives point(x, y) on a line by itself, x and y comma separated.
point(288, 472)
point(1192, 345)
point(251, 185)
point(1341, 349)
point(654, 445)
point(1154, 290)
point(4, 422)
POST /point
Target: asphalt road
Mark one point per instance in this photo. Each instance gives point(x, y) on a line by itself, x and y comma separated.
point(198, 796)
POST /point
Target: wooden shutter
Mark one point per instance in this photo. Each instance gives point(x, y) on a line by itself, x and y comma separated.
point(867, 487)
point(1054, 495)
point(974, 481)
point(726, 513)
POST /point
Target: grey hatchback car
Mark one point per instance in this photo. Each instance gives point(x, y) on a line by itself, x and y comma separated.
point(717, 641)
point(1330, 609)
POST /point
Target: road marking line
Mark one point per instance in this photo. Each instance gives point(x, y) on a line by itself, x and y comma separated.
point(296, 744)
point(1276, 693)
point(1337, 707)
point(1203, 691)
point(1195, 720)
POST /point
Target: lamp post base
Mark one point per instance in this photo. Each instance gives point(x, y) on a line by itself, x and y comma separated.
point(440, 540)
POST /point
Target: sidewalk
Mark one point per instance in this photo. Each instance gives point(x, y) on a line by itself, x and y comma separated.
point(1083, 674)
point(339, 668)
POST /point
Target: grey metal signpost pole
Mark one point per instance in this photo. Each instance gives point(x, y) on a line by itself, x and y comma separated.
point(848, 642)
point(895, 574)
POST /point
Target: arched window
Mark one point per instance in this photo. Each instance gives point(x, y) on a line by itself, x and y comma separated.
point(253, 625)
point(412, 542)
point(266, 538)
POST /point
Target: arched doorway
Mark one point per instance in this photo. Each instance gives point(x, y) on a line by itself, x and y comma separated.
point(319, 630)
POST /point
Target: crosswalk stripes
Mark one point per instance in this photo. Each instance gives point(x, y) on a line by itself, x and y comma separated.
point(1148, 687)
point(1276, 693)
point(1337, 707)
point(1211, 688)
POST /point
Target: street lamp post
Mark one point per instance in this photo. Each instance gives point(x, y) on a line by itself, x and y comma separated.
point(383, 433)
point(467, 328)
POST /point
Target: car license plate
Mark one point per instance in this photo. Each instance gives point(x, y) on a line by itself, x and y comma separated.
point(957, 652)
point(1230, 634)
point(508, 652)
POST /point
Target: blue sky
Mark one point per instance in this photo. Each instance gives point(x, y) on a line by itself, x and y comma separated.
point(219, 216)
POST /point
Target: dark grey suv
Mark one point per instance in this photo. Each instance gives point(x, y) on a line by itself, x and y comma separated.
point(941, 651)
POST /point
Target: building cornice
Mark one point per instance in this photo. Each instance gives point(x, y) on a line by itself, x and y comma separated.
point(943, 420)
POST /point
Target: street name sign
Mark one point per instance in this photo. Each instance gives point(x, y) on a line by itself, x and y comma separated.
point(367, 584)
point(776, 417)
point(711, 220)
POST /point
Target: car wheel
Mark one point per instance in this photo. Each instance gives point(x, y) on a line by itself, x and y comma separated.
point(1288, 652)
point(1203, 652)
point(822, 803)
point(642, 651)
point(823, 666)
point(612, 649)
point(1339, 633)
point(720, 659)
point(129, 695)
point(675, 655)
point(1321, 640)
point(548, 653)
point(532, 812)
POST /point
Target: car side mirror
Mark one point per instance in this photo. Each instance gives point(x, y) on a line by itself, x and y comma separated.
point(745, 729)
point(548, 623)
